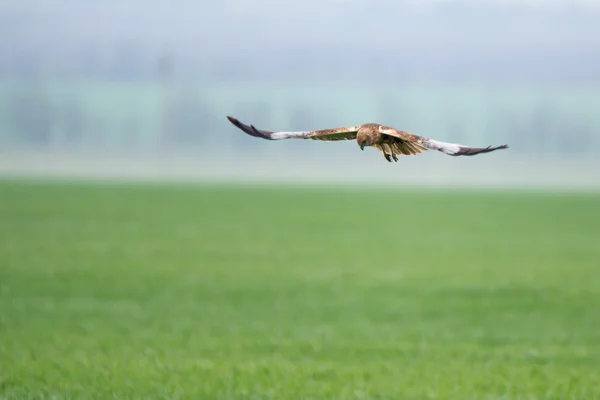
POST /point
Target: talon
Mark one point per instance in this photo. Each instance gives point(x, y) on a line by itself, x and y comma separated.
point(387, 157)
point(394, 157)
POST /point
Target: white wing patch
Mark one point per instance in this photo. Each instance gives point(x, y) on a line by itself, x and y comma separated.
point(447, 148)
point(289, 135)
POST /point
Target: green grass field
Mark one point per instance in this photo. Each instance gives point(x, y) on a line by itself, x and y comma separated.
point(209, 292)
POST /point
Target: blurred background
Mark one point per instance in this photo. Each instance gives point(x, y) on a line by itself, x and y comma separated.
point(140, 89)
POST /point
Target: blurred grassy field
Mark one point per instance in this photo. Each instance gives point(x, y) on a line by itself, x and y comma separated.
point(142, 291)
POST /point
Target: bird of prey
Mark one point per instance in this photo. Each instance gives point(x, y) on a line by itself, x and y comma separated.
point(390, 141)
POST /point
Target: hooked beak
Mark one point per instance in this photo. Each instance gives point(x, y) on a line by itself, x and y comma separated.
point(362, 146)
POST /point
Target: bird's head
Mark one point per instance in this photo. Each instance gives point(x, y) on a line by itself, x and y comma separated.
point(364, 141)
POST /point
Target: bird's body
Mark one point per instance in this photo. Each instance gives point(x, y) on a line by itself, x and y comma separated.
point(370, 135)
point(390, 141)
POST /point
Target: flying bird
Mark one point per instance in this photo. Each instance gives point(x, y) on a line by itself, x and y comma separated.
point(390, 141)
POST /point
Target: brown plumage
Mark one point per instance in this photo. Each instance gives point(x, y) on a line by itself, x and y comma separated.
point(390, 141)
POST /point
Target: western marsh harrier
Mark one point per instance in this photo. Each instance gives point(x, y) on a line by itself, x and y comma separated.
point(391, 142)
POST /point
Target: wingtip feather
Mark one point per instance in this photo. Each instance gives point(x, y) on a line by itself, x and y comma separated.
point(504, 146)
point(250, 129)
point(254, 129)
point(465, 151)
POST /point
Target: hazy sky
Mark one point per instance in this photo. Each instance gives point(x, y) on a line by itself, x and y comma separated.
point(532, 39)
point(486, 45)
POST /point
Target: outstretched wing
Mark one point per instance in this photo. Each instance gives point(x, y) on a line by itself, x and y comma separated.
point(345, 133)
point(452, 149)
